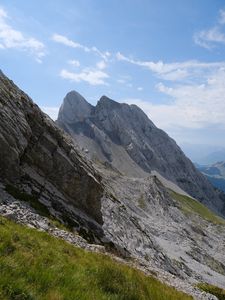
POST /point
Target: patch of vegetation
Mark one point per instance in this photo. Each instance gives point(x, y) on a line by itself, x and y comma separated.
point(190, 206)
point(141, 202)
point(59, 225)
point(35, 265)
point(212, 289)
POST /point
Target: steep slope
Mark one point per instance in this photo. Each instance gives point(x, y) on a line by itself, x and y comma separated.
point(137, 217)
point(215, 174)
point(60, 271)
point(41, 160)
point(123, 136)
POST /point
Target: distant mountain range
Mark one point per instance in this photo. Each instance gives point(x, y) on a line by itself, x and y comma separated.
point(204, 154)
point(215, 174)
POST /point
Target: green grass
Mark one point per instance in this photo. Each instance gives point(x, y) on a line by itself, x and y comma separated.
point(142, 203)
point(218, 292)
point(34, 265)
point(190, 206)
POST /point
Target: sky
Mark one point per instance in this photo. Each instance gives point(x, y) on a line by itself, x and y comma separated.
point(168, 57)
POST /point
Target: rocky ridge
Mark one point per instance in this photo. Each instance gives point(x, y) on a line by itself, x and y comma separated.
point(123, 136)
point(136, 217)
point(40, 159)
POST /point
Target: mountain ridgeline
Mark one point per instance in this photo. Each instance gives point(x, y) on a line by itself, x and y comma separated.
point(125, 138)
point(118, 184)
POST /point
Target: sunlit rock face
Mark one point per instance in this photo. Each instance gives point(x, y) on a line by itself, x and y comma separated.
point(123, 136)
point(99, 182)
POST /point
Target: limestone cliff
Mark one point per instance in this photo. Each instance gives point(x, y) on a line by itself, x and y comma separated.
point(172, 235)
point(123, 136)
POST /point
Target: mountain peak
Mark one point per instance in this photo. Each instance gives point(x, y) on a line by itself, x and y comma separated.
point(74, 108)
point(123, 135)
point(73, 93)
point(106, 102)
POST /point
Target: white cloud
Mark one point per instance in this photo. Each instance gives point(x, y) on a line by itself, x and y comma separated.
point(176, 74)
point(58, 38)
point(140, 88)
point(51, 111)
point(74, 62)
point(208, 38)
point(101, 65)
point(11, 38)
point(191, 105)
point(91, 76)
point(104, 55)
point(3, 13)
point(194, 92)
point(67, 42)
point(173, 71)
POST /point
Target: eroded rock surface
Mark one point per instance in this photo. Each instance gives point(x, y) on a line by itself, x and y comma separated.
point(123, 136)
point(135, 216)
point(39, 158)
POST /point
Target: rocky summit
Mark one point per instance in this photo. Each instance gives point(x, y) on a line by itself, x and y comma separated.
point(120, 184)
point(124, 137)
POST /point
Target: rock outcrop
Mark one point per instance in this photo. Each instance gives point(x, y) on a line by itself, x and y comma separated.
point(123, 136)
point(135, 216)
point(37, 156)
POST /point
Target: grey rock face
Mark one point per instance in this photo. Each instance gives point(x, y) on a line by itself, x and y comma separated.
point(123, 136)
point(74, 111)
point(22, 213)
point(38, 156)
point(136, 214)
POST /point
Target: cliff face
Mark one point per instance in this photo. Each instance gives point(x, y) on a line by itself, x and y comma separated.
point(137, 216)
point(123, 136)
point(37, 156)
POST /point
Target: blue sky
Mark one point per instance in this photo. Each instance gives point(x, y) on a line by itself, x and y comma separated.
point(165, 56)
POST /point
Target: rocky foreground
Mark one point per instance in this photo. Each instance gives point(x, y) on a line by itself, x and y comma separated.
point(22, 213)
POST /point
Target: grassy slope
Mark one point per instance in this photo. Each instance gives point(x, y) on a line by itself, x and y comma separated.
point(190, 206)
point(34, 265)
point(219, 293)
